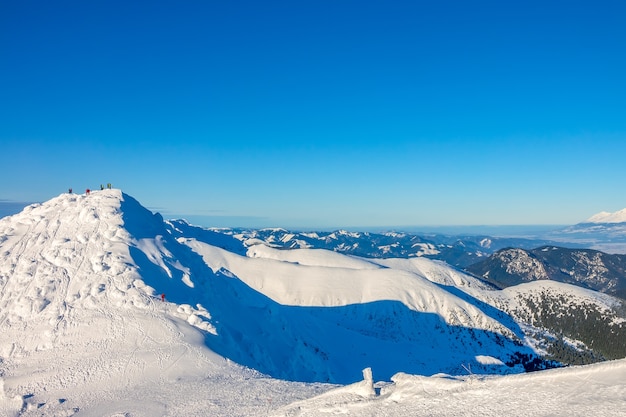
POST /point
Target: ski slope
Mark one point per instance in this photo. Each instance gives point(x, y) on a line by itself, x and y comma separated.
point(250, 331)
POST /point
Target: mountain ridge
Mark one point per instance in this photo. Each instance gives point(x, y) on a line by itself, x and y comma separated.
point(588, 268)
point(456, 250)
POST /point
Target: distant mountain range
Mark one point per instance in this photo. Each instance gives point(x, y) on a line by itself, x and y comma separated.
point(586, 268)
point(500, 261)
point(594, 233)
point(603, 231)
point(456, 250)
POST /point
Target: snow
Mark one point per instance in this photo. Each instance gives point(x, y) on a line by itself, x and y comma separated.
point(426, 249)
point(607, 217)
point(594, 390)
point(435, 271)
point(328, 279)
point(310, 257)
point(245, 332)
point(572, 292)
point(488, 360)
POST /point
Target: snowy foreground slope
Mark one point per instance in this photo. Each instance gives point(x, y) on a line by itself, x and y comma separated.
point(592, 390)
point(252, 330)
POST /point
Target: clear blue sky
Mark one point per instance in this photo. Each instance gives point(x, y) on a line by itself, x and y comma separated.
point(319, 113)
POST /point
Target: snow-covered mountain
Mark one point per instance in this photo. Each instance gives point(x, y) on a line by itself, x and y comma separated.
point(86, 332)
point(603, 231)
point(607, 217)
point(587, 268)
point(456, 250)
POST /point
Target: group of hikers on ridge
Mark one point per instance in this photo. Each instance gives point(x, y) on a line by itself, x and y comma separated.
point(87, 191)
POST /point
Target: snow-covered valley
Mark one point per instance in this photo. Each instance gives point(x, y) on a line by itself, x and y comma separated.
point(253, 330)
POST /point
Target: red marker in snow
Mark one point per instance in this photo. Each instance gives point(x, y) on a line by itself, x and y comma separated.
point(162, 297)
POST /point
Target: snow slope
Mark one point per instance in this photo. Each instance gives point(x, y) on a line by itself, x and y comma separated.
point(594, 390)
point(84, 331)
point(83, 334)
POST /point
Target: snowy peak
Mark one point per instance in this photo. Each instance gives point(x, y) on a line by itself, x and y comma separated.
point(69, 252)
point(607, 217)
point(79, 251)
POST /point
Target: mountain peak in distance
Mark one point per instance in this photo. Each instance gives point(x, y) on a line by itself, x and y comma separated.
point(607, 217)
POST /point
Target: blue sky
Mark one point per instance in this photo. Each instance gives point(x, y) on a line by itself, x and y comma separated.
point(311, 114)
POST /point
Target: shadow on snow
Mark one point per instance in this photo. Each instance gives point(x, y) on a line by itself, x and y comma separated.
point(313, 344)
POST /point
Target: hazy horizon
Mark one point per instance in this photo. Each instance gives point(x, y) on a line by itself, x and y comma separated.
point(8, 208)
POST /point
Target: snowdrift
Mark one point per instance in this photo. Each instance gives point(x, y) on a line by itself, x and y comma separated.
point(593, 390)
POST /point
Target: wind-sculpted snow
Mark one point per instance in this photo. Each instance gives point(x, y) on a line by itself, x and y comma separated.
point(596, 390)
point(84, 330)
point(62, 254)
